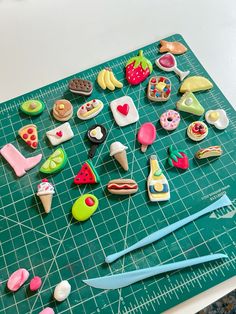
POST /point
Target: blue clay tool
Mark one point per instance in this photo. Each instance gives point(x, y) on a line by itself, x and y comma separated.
point(223, 201)
point(124, 279)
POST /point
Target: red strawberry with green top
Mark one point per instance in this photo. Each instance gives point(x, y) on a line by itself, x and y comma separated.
point(178, 158)
point(138, 69)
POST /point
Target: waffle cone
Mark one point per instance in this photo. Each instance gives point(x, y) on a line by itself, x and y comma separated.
point(46, 201)
point(121, 157)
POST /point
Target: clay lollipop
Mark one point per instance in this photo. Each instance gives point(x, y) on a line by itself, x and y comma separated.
point(146, 135)
point(118, 151)
point(45, 193)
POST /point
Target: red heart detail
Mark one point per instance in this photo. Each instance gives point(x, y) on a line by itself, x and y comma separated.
point(59, 133)
point(123, 109)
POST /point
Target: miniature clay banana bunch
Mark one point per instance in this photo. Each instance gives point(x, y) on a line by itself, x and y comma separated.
point(106, 79)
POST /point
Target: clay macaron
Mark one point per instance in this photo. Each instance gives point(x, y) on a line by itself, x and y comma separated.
point(62, 110)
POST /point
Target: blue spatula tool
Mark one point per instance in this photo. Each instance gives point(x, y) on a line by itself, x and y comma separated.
point(125, 279)
point(223, 201)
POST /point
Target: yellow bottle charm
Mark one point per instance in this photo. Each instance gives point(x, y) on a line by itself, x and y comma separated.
point(158, 187)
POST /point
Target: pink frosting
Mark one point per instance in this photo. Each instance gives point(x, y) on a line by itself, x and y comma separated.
point(170, 120)
point(17, 279)
point(47, 310)
point(35, 283)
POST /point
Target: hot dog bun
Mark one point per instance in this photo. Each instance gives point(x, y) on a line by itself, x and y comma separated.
point(122, 186)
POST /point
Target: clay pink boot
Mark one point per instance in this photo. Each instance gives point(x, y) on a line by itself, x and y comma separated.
point(18, 162)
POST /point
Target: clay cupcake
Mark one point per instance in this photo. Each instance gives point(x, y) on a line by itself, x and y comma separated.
point(62, 110)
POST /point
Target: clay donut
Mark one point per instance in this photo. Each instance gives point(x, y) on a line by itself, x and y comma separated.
point(170, 120)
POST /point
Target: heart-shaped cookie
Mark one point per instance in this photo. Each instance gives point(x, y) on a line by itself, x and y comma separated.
point(123, 109)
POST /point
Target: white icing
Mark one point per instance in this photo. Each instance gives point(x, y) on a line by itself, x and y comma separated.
point(45, 188)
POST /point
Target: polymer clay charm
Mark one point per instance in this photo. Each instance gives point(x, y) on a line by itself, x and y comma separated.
point(45, 193)
point(17, 161)
point(137, 69)
point(32, 107)
point(107, 79)
point(81, 86)
point(197, 131)
point(87, 174)
point(62, 291)
point(157, 184)
point(124, 111)
point(146, 135)
point(174, 47)
point(17, 279)
point(159, 88)
point(84, 207)
point(118, 151)
point(47, 310)
point(212, 151)
point(29, 135)
point(122, 186)
point(167, 62)
point(55, 162)
point(178, 158)
point(97, 135)
point(35, 283)
point(62, 110)
point(90, 109)
point(218, 118)
point(195, 84)
point(60, 134)
point(170, 120)
point(189, 103)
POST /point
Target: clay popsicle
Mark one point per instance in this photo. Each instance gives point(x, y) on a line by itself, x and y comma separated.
point(146, 135)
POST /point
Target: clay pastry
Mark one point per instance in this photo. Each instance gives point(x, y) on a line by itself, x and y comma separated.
point(195, 84)
point(81, 87)
point(159, 88)
point(189, 103)
point(174, 47)
point(197, 131)
point(62, 110)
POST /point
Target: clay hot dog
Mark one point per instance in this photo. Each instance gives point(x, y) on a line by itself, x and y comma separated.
point(122, 186)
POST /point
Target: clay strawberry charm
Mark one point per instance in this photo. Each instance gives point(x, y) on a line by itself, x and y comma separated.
point(138, 69)
point(177, 158)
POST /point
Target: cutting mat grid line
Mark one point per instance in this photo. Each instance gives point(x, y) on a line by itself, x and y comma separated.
point(55, 247)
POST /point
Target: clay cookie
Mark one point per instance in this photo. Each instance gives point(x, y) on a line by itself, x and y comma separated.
point(81, 87)
point(124, 111)
point(62, 110)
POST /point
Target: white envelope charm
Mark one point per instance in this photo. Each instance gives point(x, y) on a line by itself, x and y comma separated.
point(60, 134)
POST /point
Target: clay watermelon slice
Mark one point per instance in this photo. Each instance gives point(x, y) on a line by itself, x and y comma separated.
point(87, 174)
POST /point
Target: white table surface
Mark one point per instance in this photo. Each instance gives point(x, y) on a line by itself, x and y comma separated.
point(42, 41)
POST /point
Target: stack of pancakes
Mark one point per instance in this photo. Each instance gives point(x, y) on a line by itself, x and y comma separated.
point(62, 110)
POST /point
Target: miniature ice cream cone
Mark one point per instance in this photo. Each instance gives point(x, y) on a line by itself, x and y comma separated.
point(45, 193)
point(118, 151)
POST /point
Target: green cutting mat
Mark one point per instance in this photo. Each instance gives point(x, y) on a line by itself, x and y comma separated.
point(56, 248)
